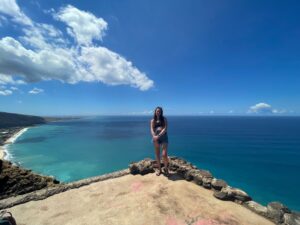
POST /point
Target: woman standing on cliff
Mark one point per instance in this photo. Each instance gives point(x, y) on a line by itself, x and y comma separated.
point(158, 127)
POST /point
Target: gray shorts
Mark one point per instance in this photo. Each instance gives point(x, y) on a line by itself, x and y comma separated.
point(163, 139)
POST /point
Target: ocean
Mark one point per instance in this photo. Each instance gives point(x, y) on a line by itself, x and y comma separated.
point(259, 154)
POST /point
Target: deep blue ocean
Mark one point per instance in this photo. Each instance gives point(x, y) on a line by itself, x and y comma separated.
point(260, 155)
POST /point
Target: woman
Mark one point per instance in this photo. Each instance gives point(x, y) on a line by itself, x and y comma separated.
point(158, 127)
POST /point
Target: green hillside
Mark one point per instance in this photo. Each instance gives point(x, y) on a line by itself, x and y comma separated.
point(16, 120)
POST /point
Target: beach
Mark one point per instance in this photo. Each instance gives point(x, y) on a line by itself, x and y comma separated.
point(1, 152)
point(12, 138)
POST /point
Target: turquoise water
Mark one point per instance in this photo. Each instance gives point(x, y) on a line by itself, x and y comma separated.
point(260, 155)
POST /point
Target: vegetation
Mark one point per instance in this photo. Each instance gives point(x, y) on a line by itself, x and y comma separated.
point(18, 120)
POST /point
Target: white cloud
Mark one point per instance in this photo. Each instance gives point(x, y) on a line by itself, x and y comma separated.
point(36, 91)
point(14, 88)
point(11, 8)
point(4, 91)
point(83, 26)
point(49, 11)
point(6, 79)
point(102, 63)
point(264, 108)
point(145, 112)
point(42, 36)
point(52, 57)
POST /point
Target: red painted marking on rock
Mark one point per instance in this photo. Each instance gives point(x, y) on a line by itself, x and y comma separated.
point(173, 221)
point(136, 186)
point(206, 222)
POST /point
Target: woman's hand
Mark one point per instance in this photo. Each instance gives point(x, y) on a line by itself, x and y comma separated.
point(155, 138)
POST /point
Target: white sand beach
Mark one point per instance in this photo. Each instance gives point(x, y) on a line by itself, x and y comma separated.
point(137, 200)
point(11, 140)
point(1, 152)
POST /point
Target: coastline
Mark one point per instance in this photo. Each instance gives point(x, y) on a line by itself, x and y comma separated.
point(11, 139)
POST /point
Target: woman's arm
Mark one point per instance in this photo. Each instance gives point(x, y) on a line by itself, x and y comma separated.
point(165, 128)
point(151, 128)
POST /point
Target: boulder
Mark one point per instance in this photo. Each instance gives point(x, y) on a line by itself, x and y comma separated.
point(190, 174)
point(256, 207)
point(292, 218)
point(276, 210)
point(222, 195)
point(142, 167)
point(206, 182)
point(241, 195)
point(202, 177)
point(15, 180)
point(183, 169)
point(235, 194)
point(218, 184)
point(205, 173)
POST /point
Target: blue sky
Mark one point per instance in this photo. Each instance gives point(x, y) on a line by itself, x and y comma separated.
point(127, 57)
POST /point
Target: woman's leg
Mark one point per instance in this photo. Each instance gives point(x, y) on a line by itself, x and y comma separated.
point(165, 156)
point(157, 155)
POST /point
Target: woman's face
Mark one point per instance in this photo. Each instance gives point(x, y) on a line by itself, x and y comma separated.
point(157, 112)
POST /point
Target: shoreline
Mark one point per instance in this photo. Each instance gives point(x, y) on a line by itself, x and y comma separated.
point(11, 140)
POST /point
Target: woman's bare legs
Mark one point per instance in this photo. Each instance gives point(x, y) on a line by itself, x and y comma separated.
point(165, 157)
point(157, 154)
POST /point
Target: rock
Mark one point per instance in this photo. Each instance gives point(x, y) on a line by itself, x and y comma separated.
point(198, 179)
point(221, 195)
point(142, 167)
point(182, 170)
point(241, 195)
point(190, 174)
point(225, 193)
point(292, 218)
point(206, 182)
point(256, 207)
point(15, 180)
point(218, 184)
point(235, 194)
point(276, 210)
point(205, 173)
point(202, 177)
point(133, 168)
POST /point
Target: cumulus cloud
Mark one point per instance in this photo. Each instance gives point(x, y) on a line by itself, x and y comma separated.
point(4, 91)
point(36, 91)
point(43, 53)
point(264, 108)
point(6, 79)
point(103, 62)
point(11, 8)
point(83, 26)
point(14, 88)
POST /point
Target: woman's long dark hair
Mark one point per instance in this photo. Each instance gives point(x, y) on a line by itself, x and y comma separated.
point(161, 117)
